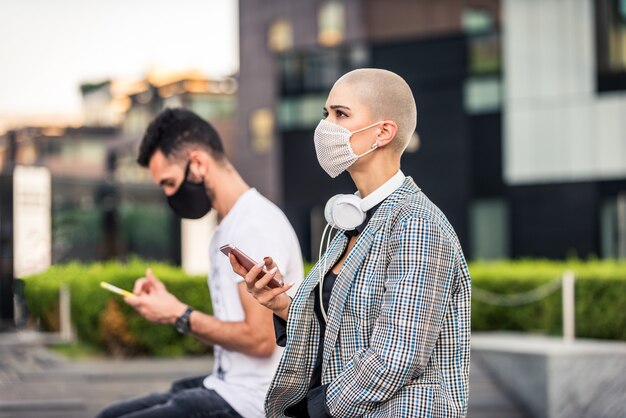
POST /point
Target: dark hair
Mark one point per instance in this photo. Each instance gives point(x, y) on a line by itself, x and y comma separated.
point(173, 129)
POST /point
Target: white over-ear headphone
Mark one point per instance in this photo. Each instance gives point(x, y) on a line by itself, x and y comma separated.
point(347, 211)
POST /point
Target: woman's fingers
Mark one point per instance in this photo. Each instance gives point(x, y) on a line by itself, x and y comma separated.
point(237, 268)
point(252, 275)
point(265, 279)
point(269, 263)
point(276, 299)
point(271, 294)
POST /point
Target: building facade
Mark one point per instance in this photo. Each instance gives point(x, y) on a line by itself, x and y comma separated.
point(104, 206)
point(565, 126)
point(520, 136)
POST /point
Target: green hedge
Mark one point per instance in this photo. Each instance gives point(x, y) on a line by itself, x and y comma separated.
point(600, 297)
point(102, 318)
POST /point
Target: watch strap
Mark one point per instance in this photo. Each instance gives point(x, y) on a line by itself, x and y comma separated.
point(182, 322)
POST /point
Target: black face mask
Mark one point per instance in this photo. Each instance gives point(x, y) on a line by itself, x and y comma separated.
point(191, 200)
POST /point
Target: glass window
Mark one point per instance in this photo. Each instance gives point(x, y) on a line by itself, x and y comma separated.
point(311, 110)
point(287, 113)
point(489, 229)
point(213, 107)
point(322, 70)
point(483, 88)
point(608, 229)
point(290, 73)
point(315, 71)
point(331, 23)
point(611, 44)
point(613, 227)
point(621, 225)
point(79, 206)
point(476, 21)
point(483, 41)
point(280, 36)
point(483, 94)
point(262, 130)
point(303, 112)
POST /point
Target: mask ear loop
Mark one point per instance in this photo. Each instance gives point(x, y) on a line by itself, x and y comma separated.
point(321, 272)
point(373, 148)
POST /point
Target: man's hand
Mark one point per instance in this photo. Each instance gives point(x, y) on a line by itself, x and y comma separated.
point(148, 284)
point(154, 302)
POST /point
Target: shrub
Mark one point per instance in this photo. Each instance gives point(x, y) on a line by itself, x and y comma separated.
point(600, 297)
point(102, 318)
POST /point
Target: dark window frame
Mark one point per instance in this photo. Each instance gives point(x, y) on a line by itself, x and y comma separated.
point(607, 79)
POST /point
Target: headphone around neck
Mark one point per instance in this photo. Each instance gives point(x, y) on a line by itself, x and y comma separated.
point(347, 211)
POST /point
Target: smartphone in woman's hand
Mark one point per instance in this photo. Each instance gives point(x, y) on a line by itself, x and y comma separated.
point(248, 263)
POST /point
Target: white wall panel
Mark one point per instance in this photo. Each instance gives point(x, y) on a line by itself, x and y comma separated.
point(580, 31)
point(582, 147)
point(544, 132)
point(607, 136)
point(518, 154)
point(562, 145)
point(556, 126)
point(517, 75)
point(545, 62)
point(569, 66)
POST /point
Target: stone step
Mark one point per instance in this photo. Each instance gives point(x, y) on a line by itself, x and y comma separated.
point(35, 405)
point(38, 384)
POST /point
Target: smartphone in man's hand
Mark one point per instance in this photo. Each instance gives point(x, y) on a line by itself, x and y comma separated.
point(248, 263)
point(115, 289)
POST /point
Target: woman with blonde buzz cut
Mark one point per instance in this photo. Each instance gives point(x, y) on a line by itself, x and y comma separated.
point(381, 325)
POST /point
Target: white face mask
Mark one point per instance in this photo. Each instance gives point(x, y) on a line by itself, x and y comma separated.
point(333, 148)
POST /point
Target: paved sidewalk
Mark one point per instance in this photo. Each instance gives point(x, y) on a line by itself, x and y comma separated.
point(36, 383)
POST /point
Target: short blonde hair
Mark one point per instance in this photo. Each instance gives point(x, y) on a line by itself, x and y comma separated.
point(387, 96)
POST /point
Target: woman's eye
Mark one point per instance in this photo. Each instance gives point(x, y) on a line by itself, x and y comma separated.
point(340, 114)
point(324, 114)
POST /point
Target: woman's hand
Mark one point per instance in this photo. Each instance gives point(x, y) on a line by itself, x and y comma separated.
point(275, 299)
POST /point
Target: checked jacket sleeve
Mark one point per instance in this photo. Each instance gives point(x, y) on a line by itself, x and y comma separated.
point(419, 281)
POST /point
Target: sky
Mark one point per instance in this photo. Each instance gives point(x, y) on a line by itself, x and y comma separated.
point(48, 48)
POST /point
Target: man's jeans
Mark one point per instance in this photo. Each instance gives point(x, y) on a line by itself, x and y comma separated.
point(187, 398)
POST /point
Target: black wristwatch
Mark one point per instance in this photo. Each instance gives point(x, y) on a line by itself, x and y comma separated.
point(182, 322)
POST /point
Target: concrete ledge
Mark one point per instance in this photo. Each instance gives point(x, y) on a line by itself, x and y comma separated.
point(557, 379)
point(39, 405)
point(29, 338)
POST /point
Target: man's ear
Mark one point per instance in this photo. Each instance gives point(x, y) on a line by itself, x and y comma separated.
point(388, 130)
point(200, 161)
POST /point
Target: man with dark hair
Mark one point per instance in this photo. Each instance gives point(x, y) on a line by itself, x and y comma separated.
point(175, 129)
point(186, 159)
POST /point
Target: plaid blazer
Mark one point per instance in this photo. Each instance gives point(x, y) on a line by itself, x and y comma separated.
point(397, 341)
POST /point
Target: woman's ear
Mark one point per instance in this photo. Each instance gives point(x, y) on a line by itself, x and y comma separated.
point(388, 130)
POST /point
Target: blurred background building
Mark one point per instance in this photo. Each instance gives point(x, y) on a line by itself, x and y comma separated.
point(104, 205)
point(521, 134)
point(521, 140)
point(521, 113)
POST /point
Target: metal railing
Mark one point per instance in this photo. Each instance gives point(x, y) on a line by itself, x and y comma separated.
point(566, 282)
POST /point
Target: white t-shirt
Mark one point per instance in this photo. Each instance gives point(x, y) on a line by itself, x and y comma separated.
point(258, 228)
